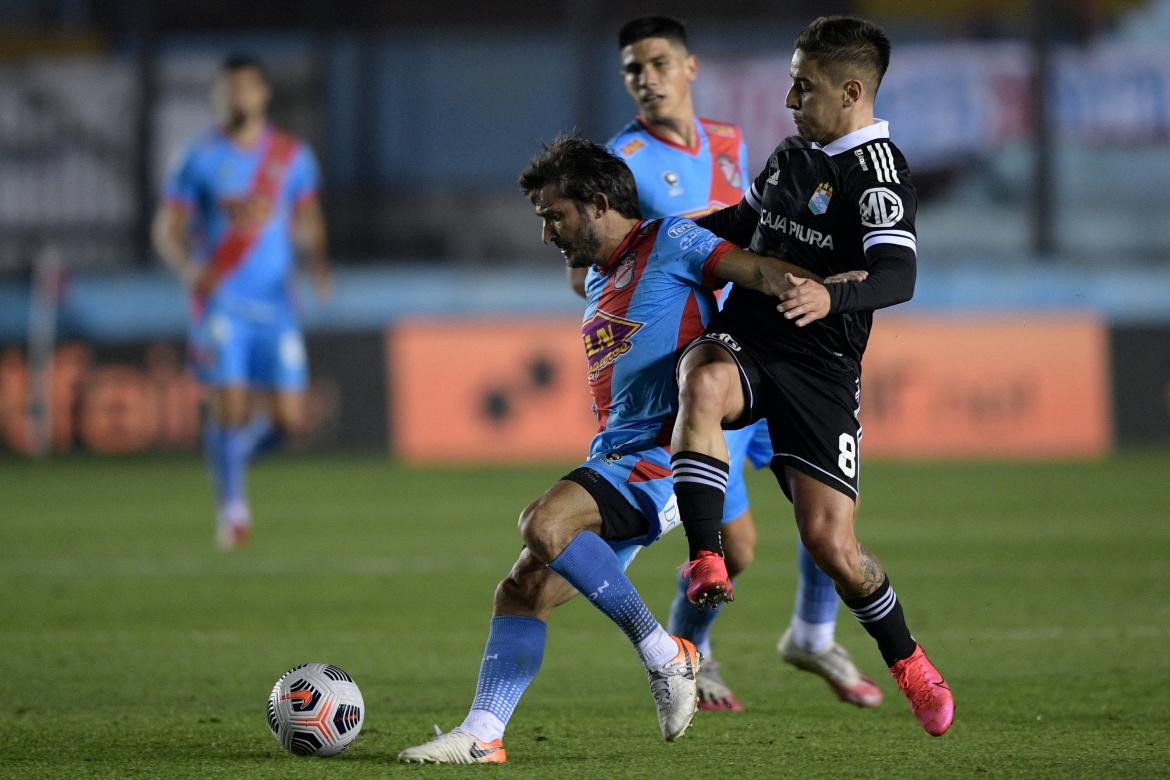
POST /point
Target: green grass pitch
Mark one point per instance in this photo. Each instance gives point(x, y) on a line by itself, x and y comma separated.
point(132, 647)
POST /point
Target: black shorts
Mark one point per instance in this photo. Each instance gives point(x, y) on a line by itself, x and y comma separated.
point(812, 412)
point(620, 520)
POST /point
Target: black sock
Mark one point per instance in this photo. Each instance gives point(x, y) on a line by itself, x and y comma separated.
point(880, 614)
point(700, 483)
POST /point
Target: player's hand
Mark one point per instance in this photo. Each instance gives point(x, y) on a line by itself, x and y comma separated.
point(848, 276)
point(807, 301)
point(199, 279)
point(322, 281)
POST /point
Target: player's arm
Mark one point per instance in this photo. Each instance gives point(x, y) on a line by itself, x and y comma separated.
point(735, 223)
point(576, 277)
point(309, 235)
point(169, 235)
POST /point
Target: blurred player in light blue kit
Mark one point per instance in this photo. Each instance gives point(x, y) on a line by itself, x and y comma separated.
point(688, 165)
point(241, 201)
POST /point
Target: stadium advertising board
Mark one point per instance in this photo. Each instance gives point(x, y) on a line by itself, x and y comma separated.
point(141, 397)
point(1018, 386)
point(488, 391)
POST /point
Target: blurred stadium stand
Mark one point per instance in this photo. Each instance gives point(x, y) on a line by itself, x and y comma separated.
point(422, 115)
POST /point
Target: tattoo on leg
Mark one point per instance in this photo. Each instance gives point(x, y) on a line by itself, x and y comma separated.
point(871, 571)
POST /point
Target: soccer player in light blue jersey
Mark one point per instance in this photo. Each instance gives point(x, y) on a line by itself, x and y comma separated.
point(650, 293)
point(689, 165)
point(240, 203)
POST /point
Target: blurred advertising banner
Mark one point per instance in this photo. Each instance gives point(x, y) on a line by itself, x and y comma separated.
point(948, 102)
point(986, 386)
point(141, 397)
point(489, 390)
point(1141, 383)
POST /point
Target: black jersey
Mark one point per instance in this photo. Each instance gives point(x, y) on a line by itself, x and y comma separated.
point(847, 206)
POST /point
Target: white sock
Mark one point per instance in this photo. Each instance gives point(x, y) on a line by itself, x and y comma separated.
point(704, 647)
point(658, 649)
point(812, 637)
point(482, 725)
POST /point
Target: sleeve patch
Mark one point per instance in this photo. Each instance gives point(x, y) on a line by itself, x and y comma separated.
point(629, 148)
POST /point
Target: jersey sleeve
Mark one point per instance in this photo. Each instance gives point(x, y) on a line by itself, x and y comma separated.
point(691, 254)
point(886, 204)
point(304, 178)
point(181, 187)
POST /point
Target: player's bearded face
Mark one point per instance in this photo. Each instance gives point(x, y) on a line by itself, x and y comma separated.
point(239, 96)
point(580, 245)
point(658, 75)
point(568, 227)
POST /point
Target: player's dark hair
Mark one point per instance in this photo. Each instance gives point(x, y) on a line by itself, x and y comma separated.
point(580, 169)
point(238, 61)
point(652, 27)
point(846, 40)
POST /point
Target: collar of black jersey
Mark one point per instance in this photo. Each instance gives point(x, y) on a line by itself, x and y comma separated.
point(604, 269)
point(879, 129)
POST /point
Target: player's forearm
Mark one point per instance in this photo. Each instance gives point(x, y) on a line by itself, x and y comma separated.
point(168, 236)
point(734, 223)
point(891, 281)
point(755, 272)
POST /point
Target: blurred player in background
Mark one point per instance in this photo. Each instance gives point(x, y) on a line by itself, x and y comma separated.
point(690, 166)
point(650, 291)
point(240, 203)
point(836, 197)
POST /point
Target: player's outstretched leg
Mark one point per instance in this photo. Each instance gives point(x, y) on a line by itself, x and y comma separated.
point(808, 643)
point(825, 518)
point(709, 392)
point(511, 659)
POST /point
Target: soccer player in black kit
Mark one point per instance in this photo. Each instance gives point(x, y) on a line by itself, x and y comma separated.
point(837, 197)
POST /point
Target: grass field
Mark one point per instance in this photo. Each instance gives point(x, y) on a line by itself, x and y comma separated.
point(133, 648)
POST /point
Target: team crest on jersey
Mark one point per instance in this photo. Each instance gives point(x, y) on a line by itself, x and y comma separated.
point(729, 170)
point(625, 271)
point(607, 338)
point(628, 149)
point(672, 181)
point(819, 202)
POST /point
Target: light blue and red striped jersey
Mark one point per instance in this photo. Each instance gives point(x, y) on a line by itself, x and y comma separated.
point(675, 180)
point(242, 201)
point(652, 297)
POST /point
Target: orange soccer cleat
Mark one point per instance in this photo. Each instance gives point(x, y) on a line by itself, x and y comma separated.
point(709, 584)
point(928, 693)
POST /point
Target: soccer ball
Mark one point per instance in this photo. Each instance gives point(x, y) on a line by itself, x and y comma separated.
point(315, 710)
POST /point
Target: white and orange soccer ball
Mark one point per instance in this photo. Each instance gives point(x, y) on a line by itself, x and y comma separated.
point(315, 710)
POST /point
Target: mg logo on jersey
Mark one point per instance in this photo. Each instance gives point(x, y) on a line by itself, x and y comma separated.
point(607, 338)
point(672, 181)
point(880, 207)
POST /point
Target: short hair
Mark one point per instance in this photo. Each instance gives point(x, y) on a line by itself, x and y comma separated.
point(652, 27)
point(846, 40)
point(580, 169)
point(237, 61)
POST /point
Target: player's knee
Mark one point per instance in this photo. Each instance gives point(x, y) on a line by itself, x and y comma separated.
point(826, 542)
point(704, 390)
point(543, 530)
point(516, 591)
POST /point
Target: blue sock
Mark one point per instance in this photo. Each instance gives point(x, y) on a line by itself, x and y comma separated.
point(214, 452)
point(687, 620)
point(816, 596)
point(233, 454)
point(263, 435)
point(511, 659)
point(590, 566)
